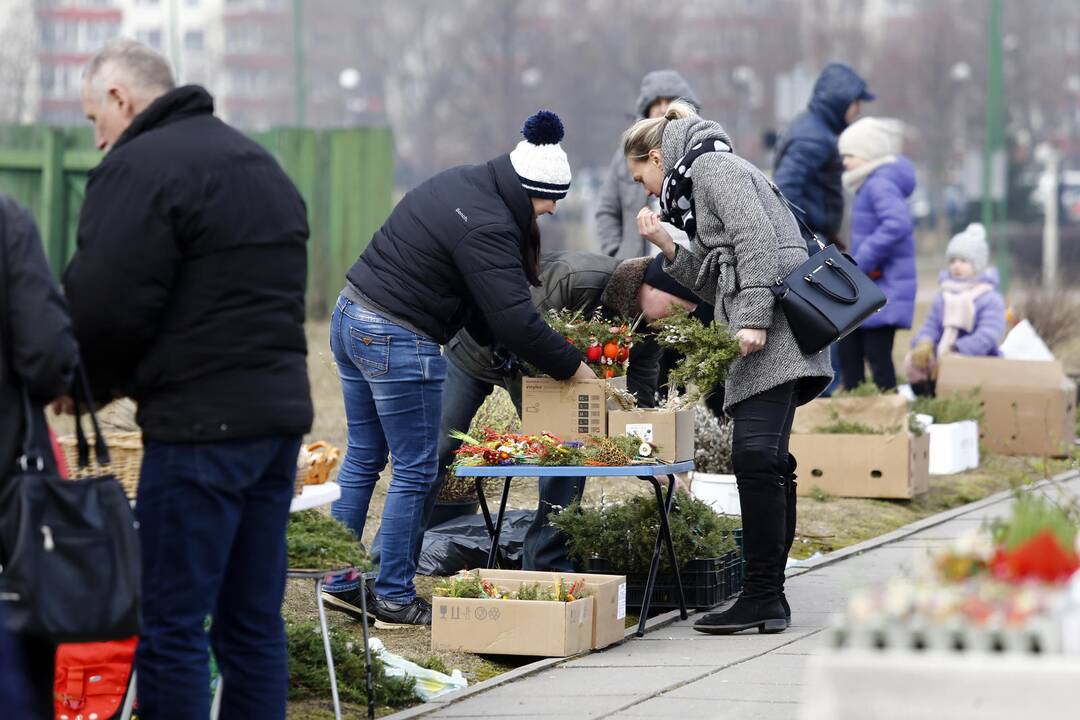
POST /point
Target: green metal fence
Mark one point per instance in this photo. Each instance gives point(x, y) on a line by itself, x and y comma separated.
point(345, 176)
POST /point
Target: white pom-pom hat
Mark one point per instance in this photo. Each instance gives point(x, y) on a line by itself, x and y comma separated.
point(539, 161)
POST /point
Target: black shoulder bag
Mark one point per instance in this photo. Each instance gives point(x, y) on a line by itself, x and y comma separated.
point(826, 297)
point(71, 571)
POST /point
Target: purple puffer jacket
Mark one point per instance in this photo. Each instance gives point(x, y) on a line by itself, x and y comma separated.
point(883, 240)
point(989, 320)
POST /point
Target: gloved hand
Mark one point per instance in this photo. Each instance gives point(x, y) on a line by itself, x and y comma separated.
point(922, 355)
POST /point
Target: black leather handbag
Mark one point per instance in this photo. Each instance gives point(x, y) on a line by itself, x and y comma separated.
point(827, 296)
point(69, 549)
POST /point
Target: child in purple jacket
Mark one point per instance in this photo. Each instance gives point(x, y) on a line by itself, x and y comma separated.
point(968, 315)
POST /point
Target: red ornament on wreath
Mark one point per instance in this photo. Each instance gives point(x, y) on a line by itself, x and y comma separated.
point(624, 354)
point(593, 353)
point(611, 349)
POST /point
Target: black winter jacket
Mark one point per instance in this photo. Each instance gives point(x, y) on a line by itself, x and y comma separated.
point(37, 347)
point(569, 281)
point(187, 289)
point(450, 256)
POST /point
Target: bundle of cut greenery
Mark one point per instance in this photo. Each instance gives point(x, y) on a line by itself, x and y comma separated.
point(624, 533)
point(317, 541)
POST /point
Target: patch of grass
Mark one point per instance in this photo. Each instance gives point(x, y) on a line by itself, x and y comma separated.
point(309, 678)
point(820, 494)
point(866, 389)
point(433, 662)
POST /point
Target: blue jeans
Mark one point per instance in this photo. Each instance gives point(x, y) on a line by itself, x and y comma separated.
point(545, 547)
point(212, 520)
point(392, 380)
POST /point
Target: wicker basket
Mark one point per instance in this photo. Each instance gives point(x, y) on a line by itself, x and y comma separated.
point(125, 455)
point(126, 452)
point(314, 464)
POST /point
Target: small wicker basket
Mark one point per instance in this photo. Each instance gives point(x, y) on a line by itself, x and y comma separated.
point(125, 455)
point(313, 467)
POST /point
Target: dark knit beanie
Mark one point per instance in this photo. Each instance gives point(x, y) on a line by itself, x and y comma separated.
point(621, 292)
point(655, 276)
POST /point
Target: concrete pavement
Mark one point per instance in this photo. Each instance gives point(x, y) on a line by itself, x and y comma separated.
point(674, 672)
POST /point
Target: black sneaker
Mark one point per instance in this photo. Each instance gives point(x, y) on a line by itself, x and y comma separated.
point(348, 602)
point(787, 608)
point(390, 615)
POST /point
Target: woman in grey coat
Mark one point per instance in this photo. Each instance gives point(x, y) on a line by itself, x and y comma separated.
point(743, 238)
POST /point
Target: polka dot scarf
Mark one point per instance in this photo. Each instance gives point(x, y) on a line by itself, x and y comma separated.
point(677, 198)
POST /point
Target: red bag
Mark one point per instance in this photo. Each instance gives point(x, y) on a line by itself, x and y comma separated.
point(92, 678)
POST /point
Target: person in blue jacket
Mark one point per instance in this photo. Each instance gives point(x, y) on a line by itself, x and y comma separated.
point(808, 168)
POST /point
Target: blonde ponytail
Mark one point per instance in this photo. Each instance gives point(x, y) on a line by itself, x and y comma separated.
point(646, 135)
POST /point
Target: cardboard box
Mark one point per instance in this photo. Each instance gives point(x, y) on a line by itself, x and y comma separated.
point(954, 447)
point(512, 627)
point(894, 464)
point(607, 591)
point(571, 410)
point(671, 432)
point(1029, 406)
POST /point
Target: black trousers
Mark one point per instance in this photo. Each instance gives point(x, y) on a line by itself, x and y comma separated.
point(873, 345)
point(762, 471)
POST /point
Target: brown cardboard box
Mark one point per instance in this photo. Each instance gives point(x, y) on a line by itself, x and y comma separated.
point(671, 432)
point(512, 627)
point(571, 410)
point(1029, 406)
point(607, 591)
point(894, 464)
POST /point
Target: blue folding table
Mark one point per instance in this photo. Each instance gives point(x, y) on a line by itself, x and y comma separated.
point(649, 473)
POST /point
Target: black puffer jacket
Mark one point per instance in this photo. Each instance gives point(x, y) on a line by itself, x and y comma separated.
point(37, 348)
point(449, 256)
point(187, 289)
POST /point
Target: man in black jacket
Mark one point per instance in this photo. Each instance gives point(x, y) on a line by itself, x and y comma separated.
point(578, 281)
point(38, 353)
point(187, 293)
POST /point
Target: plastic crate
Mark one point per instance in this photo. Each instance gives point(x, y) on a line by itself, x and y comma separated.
point(707, 582)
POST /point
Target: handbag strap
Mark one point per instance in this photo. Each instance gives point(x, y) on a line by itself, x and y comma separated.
point(798, 213)
point(81, 396)
point(834, 295)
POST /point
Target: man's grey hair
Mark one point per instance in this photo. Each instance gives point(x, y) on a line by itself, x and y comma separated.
point(145, 72)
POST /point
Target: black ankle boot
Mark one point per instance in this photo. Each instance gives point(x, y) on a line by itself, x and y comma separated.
point(763, 505)
point(789, 539)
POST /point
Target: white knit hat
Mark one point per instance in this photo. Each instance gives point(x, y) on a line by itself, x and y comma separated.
point(540, 163)
point(970, 245)
point(871, 138)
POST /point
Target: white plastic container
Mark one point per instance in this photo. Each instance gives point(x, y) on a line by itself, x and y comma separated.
point(954, 447)
point(718, 491)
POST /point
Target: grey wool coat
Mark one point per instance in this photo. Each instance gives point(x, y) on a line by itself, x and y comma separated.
point(746, 239)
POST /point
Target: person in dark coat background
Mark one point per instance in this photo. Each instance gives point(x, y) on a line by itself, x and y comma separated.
point(808, 169)
point(882, 244)
point(459, 250)
point(808, 166)
point(37, 352)
point(187, 293)
point(620, 197)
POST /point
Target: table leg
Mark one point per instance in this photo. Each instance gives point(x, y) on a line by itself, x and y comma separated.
point(482, 499)
point(663, 535)
point(666, 527)
point(326, 647)
point(494, 551)
point(369, 680)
